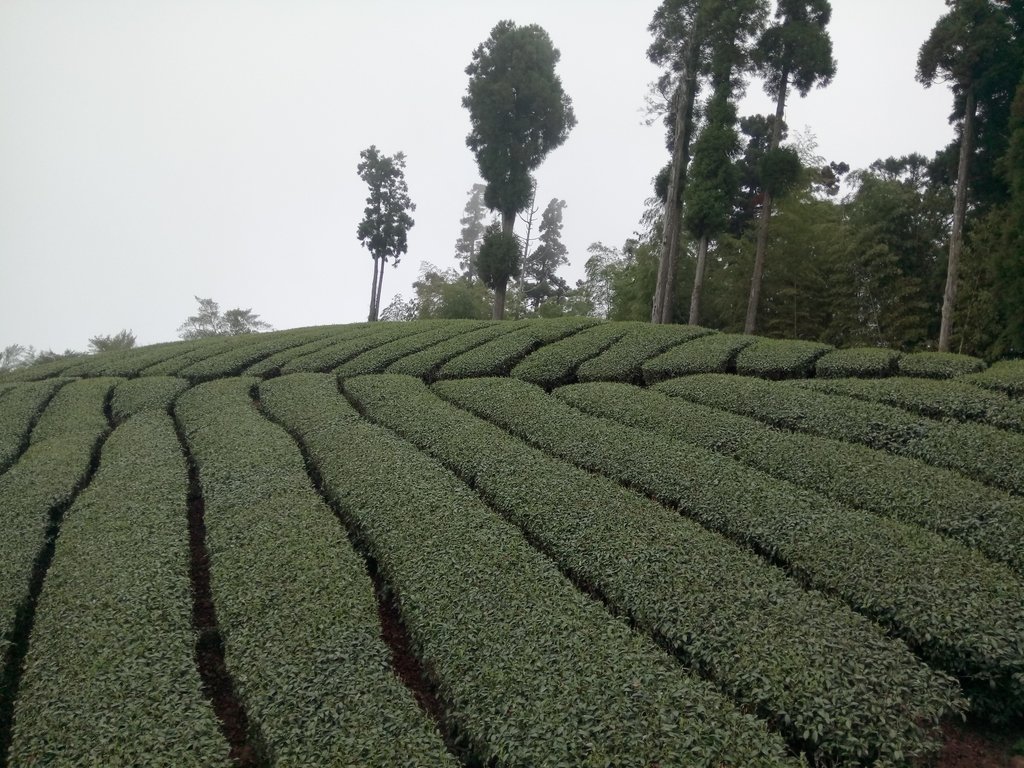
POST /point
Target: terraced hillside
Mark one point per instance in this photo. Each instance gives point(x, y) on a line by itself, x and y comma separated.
point(539, 543)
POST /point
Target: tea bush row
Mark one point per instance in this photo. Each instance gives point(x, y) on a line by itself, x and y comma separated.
point(531, 671)
point(19, 410)
point(498, 356)
point(962, 612)
point(426, 363)
point(556, 363)
point(294, 602)
point(1005, 376)
point(624, 359)
point(838, 686)
point(147, 393)
point(891, 486)
point(779, 358)
point(938, 365)
point(110, 678)
point(976, 450)
point(233, 361)
point(934, 399)
point(351, 345)
point(862, 362)
point(379, 358)
point(44, 480)
point(714, 353)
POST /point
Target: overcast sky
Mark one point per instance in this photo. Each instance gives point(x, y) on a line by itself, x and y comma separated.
point(154, 150)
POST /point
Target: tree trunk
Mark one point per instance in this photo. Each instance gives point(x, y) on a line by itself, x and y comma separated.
point(766, 213)
point(956, 240)
point(661, 310)
point(380, 285)
point(698, 280)
point(373, 292)
point(508, 222)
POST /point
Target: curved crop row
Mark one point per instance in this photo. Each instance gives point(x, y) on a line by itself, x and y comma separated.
point(555, 364)
point(425, 363)
point(532, 672)
point(1006, 376)
point(271, 366)
point(962, 612)
point(131, 362)
point(838, 686)
point(625, 358)
point(21, 407)
point(350, 346)
point(891, 486)
point(861, 362)
point(45, 479)
point(502, 353)
point(714, 353)
point(779, 358)
point(928, 397)
point(976, 450)
point(379, 358)
point(938, 365)
point(109, 677)
point(148, 393)
point(293, 600)
point(235, 360)
point(198, 351)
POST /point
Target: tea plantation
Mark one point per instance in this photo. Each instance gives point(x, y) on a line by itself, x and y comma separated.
point(537, 543)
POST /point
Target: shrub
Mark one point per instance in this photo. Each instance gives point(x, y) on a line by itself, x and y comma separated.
point(714, 353)
point(644, 561)
point(624, 360)
point(779, 358)
point(938, 365)
point(531, 671)
point(961, 612)
point(862, 362)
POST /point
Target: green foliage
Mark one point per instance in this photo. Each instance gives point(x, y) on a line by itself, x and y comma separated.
point(779, 358)
point(518, 111)
point(935, 399)
point(444, 295)
point(938, 365)
point(714, 353)
point(426, 362)
point(590, 526)
point(960, 611)
point(384, 230)
point(1006, 376)
point(624, 359)
point(147, 393)
point(119, 342)
point(863, 362)
point(132, 362)
point(349, 346)
point(19, 410)
point(379, 358)
point(110, 677)
point(797, 50)
point(890, 486)
point(501, 354)
point(272, 365)
point(496, 623)
point(294, 602)
point(978, 451)
point(555, 364)
point(541, 281)
point(239, 357)
point(45, 479)
point(209, 321)
point(498, 258)
point(472, 232)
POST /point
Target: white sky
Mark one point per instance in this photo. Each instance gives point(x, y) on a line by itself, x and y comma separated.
point(153, 150)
